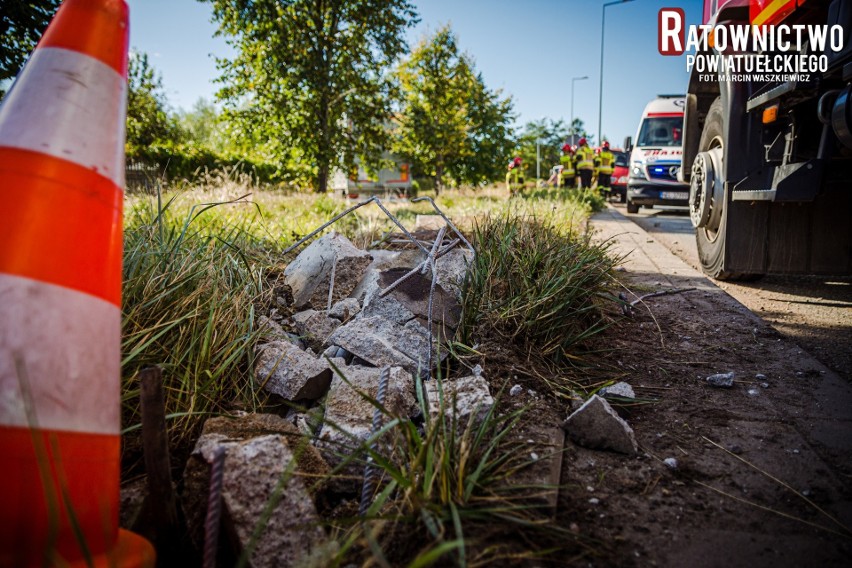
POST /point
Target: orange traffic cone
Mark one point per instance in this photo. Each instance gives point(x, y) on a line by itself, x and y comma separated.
point(61, 184)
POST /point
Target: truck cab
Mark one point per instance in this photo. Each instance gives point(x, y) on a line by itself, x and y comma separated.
point(768, 155)
point(655, 160)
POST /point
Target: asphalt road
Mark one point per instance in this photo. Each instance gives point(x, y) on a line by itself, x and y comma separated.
point(815, 312)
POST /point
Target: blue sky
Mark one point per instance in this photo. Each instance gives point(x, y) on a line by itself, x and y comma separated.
point(528, 48)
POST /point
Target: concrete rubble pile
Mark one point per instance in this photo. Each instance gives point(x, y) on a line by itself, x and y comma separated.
point(345, 315)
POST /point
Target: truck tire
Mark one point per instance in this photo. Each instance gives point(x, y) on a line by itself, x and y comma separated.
point(711, 240)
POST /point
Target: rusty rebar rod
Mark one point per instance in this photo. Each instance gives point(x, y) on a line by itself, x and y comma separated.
point(371, 472)
point(450, 223)
point(214, 508)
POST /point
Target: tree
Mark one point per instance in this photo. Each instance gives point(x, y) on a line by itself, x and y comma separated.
point(202, 126)
point(579, 129)
point(310, 80)
point(21, 26)
point(148, 120)
point(451, 124)
point(549, 135)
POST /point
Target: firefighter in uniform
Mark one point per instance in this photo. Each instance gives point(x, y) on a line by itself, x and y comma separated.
point(515, 176)
point(605, 163)
point(568, 176)
point(585, 163)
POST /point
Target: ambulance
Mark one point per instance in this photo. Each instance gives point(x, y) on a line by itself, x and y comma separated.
point(655, 159)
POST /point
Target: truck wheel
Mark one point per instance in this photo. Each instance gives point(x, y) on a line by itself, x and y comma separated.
point(632, 207)
point(710, 237)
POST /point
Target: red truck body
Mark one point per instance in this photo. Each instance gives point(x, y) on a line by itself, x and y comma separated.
point(768, 156)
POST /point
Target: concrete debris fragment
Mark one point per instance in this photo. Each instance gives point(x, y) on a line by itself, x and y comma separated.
point(670, 463)
point(411, 300)
point(381, 342)
point(259, 448)
point(596, 425)
point(452, 269)
point(386, 260)
point(315, 327)
point(273, 329)
point(348, 415)
point(345, 309)
point(291, 373)
point(721, 380)
point(310, 274)
point(467, 400)
point(516, 390)
point(620, 389)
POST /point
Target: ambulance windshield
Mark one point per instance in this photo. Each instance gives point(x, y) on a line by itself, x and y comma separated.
point(661, 131)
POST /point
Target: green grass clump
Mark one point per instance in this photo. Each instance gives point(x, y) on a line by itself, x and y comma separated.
point(188, 306)
point(537, 282)
point(447, 495)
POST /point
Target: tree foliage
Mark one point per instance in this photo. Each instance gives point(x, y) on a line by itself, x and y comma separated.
point(21, 26)
point(309, 83)
point(549, 135)
point(203, 126)
point(148, 119)
point(451, 124)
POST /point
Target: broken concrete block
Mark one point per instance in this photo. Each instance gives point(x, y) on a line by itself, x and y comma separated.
point(309, 275)
point(620, 389)
point(721, 380)
point(413, 295)
point(466, 399)
point(314, 327)
point(452, 268)
point(596, 425)
point(386, 260)
point(381, 342)
point(345, 309)
point(291, 373)
point(272, 329)
point(348, 416)
point(252, 469)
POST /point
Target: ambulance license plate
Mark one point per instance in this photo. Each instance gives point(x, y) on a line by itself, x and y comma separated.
point(682, 195)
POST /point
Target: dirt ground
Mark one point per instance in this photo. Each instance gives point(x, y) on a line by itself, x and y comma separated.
point(814, 311)
point(764, 469)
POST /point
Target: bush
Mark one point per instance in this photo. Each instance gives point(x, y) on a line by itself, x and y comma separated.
point(187, 162)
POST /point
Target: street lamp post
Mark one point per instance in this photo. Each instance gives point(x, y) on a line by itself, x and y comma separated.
point(537, 161)
point(600, 86)
point(571, 124)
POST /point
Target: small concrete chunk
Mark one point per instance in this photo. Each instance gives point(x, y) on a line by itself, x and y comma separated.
point(452, 269)
point(381, 342)
point(721, 380)
point(309, 275)
point(345, 309)
point(315, 327)
point(271, 328)
point(596, 425)
point(290, 372)
point(620, 389)
point(254, 463)
point(413, 296)
point(348, 416)
point(462, 399)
